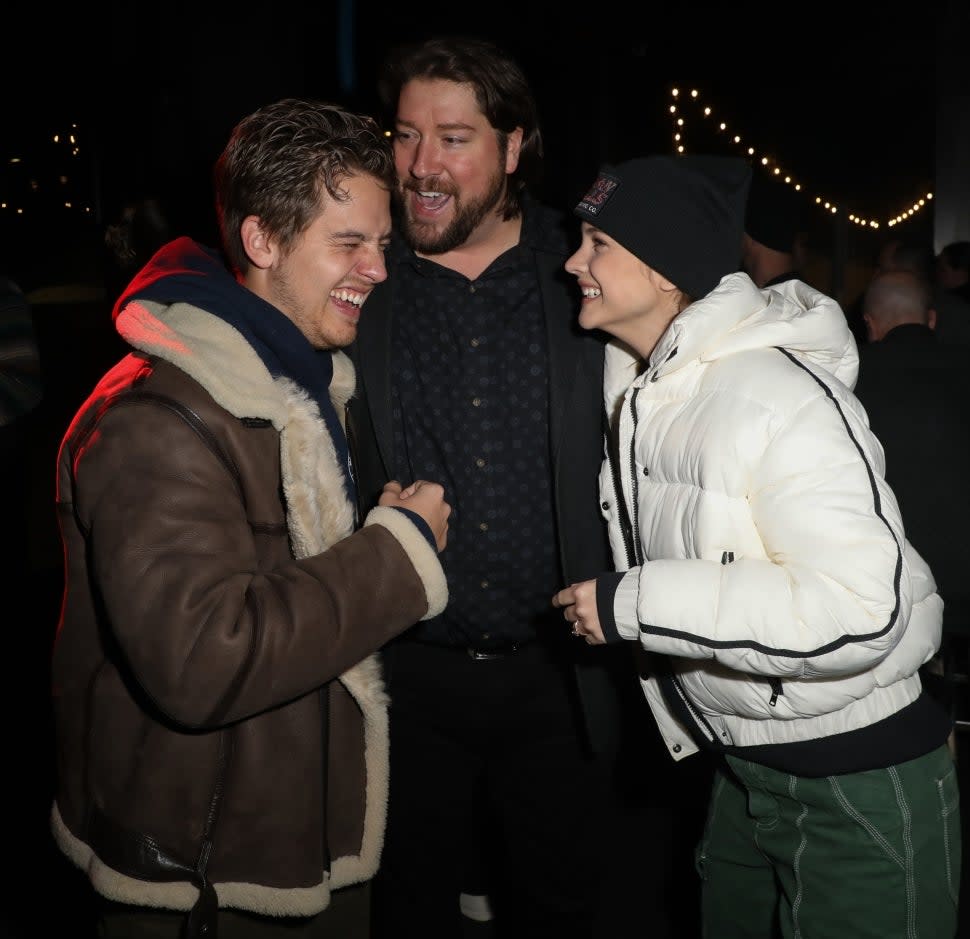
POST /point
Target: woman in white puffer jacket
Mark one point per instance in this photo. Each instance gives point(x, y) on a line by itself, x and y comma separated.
point(761, 563)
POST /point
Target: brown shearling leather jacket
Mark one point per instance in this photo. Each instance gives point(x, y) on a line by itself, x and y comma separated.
point(220, 718)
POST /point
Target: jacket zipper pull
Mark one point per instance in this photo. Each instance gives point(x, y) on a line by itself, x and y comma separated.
point(775, 691)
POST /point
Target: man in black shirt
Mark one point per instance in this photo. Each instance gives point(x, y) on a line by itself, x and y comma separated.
point(472, 371)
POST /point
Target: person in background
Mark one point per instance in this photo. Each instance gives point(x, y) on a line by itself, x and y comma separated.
point(909, 252)
point(21, 393)
point(953, 268)
point(762, 567)
point(900, 302)
point(221, 725)
point(770, 246)
point(140, 229)
point(472, 371)
point(917, 397)
point(21, 380)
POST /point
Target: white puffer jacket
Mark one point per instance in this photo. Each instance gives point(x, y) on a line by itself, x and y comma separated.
point(770, 562)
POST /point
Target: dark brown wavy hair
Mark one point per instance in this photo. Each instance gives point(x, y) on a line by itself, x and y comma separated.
point(501, 89)
point(279, 160)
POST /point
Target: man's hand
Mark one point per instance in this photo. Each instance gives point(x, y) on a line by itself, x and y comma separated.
point(426, 499)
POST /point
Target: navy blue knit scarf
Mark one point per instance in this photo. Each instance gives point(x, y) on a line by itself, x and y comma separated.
point(187, 272)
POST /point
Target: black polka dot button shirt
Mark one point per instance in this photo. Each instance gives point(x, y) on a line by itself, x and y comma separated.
point(470, 410)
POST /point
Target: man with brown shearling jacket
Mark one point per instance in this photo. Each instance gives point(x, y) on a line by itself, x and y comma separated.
point(221, 725)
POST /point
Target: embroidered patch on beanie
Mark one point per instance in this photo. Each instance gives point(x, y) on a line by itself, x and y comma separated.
point(599, 193)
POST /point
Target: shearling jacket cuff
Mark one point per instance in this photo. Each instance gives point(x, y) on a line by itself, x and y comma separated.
point(422, 555)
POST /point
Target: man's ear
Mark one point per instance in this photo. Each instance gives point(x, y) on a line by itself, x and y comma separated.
point(259, 247)
point(513, 148)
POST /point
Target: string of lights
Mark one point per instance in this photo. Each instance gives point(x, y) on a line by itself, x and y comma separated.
point(24, 182)
point(678, 110)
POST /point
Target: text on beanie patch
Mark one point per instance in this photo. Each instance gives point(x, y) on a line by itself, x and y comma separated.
point(599, 194)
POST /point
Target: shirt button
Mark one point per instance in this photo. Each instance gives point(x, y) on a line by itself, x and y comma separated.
point(484, 585)
point(480, 462)
point(604, 506)
point(476, 342)
point(483, 526)
point(471, 288)
point(476, 402)
point(646, 472)
point(677, 748)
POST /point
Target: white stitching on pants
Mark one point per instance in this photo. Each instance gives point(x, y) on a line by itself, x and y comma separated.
point(908, 844)
point(906, 863)
point(946, 812)
point(874, 833)
point(796, 860)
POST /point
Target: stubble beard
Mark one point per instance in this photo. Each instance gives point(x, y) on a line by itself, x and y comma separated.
point(319, 330)
point(425, 239)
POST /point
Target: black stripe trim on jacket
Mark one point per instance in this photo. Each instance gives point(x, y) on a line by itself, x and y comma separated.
point(634, 482)
point(623, 516)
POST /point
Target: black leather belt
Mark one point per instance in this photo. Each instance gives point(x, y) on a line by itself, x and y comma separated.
point(495, 652)
point(484, 653)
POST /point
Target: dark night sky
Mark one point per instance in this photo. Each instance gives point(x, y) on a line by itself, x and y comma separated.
point(844, 101)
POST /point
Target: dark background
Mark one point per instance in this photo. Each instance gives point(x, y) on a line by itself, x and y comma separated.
point(841, 95)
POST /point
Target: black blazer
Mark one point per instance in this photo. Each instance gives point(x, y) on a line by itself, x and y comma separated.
point(576, 427)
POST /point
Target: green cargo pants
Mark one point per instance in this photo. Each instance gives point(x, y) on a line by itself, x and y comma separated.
point(871, 854)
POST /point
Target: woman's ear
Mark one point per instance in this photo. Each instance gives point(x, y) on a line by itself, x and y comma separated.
point(669, 289)
point(661, 282)
point(260, 248)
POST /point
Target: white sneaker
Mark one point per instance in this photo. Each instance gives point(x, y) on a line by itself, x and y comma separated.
point(475, 906)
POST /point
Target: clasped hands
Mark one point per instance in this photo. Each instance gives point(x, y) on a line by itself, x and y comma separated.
point(425, 498)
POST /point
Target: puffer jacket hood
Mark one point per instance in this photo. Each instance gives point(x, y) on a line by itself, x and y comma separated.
point(738, 317)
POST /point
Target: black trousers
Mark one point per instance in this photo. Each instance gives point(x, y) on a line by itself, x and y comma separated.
point(493, 742)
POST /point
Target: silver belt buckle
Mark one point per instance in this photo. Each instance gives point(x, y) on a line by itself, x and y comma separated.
point(483, 655)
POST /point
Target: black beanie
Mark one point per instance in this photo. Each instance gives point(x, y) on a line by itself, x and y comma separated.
point(773, 215)
point(681, 215)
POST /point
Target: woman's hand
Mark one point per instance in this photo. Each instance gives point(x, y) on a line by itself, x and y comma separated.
point(578, 603)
